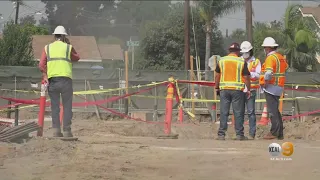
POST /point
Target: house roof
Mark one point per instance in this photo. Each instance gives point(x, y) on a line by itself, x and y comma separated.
point(86, 46)
point(111, 52)
point(313, 12)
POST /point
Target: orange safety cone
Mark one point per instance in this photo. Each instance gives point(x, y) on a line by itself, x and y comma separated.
point(264, 116)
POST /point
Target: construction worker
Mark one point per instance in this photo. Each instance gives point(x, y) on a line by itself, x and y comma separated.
point(272, 81)
point(229, 85)
point(254, 67)
point(56, 67)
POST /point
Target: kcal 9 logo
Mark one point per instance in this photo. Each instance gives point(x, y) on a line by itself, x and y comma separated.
point(286, 149)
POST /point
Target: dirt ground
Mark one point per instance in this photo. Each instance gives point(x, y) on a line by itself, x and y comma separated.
point(128, 150)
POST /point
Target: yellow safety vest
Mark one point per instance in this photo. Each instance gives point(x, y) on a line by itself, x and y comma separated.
point(252, 68)
point(231, 73)
point(59, 59)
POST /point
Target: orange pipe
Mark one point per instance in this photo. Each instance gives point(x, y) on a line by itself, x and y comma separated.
point(169, 103)
point(42, 108)
point(233, 123)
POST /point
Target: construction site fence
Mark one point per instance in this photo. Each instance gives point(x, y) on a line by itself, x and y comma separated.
point(25, 82)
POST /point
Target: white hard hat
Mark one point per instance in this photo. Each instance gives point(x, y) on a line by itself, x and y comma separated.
point(269, 42)
point(60, 30)
point(245, 46)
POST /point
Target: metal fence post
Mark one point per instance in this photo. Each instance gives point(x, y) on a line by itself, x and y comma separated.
point(16, 115)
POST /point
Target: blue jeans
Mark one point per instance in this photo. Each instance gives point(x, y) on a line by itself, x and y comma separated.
point(237, 99)
point(251, 110)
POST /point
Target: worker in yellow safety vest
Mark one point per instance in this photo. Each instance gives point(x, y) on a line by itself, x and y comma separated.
point(254, 67)
point(56, 67)
point(272, 80)
point(229, 85)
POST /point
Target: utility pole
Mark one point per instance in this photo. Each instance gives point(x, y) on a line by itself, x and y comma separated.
point(249, 20)
point(17, 11)
point(186, 34)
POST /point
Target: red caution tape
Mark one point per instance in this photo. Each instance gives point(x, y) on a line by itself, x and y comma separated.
point(303, 90)
point(300, 115)
point(135, 119)
point(204, 83)
point(81, 104)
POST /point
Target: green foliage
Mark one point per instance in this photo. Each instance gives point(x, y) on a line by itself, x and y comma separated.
point(162, 44)
point(296, 38)
point(35, 30)
point(29, 19)
point(209, 11)
point(16, 46)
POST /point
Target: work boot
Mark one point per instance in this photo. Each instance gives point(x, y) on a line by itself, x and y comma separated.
point(221, 138)
point(57, 132)
point(67, 134)
point(241, 138)
point(251, 137)
point(280, 137)
point(269, 136)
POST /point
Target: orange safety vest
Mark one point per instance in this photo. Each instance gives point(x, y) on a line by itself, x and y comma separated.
point(231, 72)
point(252, 68)
point(278, 65)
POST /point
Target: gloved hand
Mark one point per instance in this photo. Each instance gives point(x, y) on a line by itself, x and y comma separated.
point(248, 94)
point(66, 40)
point(218, 92)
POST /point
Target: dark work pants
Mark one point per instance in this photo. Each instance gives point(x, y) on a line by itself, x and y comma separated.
point(251, 110)
point(236, 98)
point(61, 86)
point(274, 114)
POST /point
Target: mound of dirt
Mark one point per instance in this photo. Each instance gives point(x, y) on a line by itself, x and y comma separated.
point(44, 146)
point(308, 130)
point(295, 129)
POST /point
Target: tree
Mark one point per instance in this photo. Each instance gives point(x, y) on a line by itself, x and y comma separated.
point(301, 42)
point(239, 34)
point(16, 46)
point(36, 30)
point(296, 38)
point(29, 19)
point(74, 14)
point(130, 16)
point(162, 45)
point(210, 10)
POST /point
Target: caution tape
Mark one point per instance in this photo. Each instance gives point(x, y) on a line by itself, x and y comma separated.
point(80, 104)
point(97, 91)
point(180, 101)
point(211, 100)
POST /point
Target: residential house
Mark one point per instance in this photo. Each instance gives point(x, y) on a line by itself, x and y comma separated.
point(112, 55)
point(86, 46)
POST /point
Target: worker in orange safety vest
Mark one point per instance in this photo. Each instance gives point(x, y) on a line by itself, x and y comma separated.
point(228, 79)
point(254, 67)
point(272, 80)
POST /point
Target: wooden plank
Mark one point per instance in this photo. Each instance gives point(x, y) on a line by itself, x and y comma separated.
point(94, 99)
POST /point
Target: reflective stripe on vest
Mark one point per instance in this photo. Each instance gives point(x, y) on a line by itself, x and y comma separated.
point(59, 59)
point(252, 67)
point(236, 82)
point(277, 74)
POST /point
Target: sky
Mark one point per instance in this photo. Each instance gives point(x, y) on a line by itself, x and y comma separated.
point(264, 11)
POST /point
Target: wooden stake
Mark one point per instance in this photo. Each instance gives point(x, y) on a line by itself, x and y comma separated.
point(94, 99)
point(192, 85)
point(126, 100)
